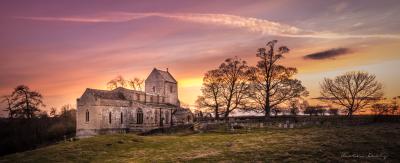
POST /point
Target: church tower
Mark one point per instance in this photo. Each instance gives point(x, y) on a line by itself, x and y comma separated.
point(162, 83)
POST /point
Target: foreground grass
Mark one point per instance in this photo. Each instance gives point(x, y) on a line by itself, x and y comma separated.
point(378, 142)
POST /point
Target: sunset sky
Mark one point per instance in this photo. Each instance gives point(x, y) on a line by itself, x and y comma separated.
point(59, 48)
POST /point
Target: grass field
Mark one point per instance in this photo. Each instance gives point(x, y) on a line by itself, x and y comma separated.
point(371, 143)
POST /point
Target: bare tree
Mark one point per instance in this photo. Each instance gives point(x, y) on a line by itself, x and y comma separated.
point(211, 93)
point(26, 102)
point(53, 112)
point(294, 106)
point(333, 111)
point(380, 109)
point(394, 105)
point(303, 105)
point(234, 74)
point(136, 84)
point(9, 100)
point(118, 81)
point(273, 84)
point(226, 89)
point(313, 110)
point(354, 91)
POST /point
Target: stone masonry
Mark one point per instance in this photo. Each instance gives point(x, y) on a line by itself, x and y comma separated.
point(122, 110)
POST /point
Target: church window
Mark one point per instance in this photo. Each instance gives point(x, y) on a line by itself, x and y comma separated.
point(138, 97)
point(171, 89)
point(154, 88)
point(122, 118)
point(109, 117)
point(139, 116)
point(151, 98)
point(87, 115)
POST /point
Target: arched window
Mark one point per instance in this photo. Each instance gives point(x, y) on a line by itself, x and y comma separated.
point(122, 118)
point(171, 89)
point(139, 116)
point(87, 115)
point(109, 117)
point(154, 88)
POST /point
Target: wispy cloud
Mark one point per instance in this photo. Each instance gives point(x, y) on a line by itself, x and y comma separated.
point(328, 54)
point(263, 26)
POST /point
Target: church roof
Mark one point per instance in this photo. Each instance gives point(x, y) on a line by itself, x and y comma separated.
point(166, 75)
point(105, 94)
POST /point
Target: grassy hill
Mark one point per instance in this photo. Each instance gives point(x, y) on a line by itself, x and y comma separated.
point(377, 142)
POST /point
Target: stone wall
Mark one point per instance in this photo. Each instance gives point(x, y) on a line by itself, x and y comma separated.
point(99, 116)
point(162, 88)
point(288, 122)
point(172, 96)
point(155, 81)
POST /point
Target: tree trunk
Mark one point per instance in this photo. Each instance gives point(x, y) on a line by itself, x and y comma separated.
point(27, 111)
point(226, 116)
point(216, 114)
point(267, 109)
point(350, 115)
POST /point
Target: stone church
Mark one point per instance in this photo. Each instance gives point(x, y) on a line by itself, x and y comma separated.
point(124, 110)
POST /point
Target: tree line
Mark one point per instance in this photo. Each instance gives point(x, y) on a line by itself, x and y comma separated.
point(269, 86)
point(28, 126)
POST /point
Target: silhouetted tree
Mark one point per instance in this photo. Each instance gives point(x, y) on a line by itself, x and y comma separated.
point(294, 106)
point(26, 102)
point(394, 108)
point(65, 111)
point(136, 83)
point(320, 111)
point(53, 112)
point(333, 111)
point(380, 109)
point(303, 105)
point(226, 88)
point(234, 74)
point(9, 105)
point(118, 81)
point(272, 83)
point(314, 110)
point(353, 90)
point(211, 93)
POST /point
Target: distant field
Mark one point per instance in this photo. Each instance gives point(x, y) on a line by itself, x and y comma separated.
point(377, 142)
